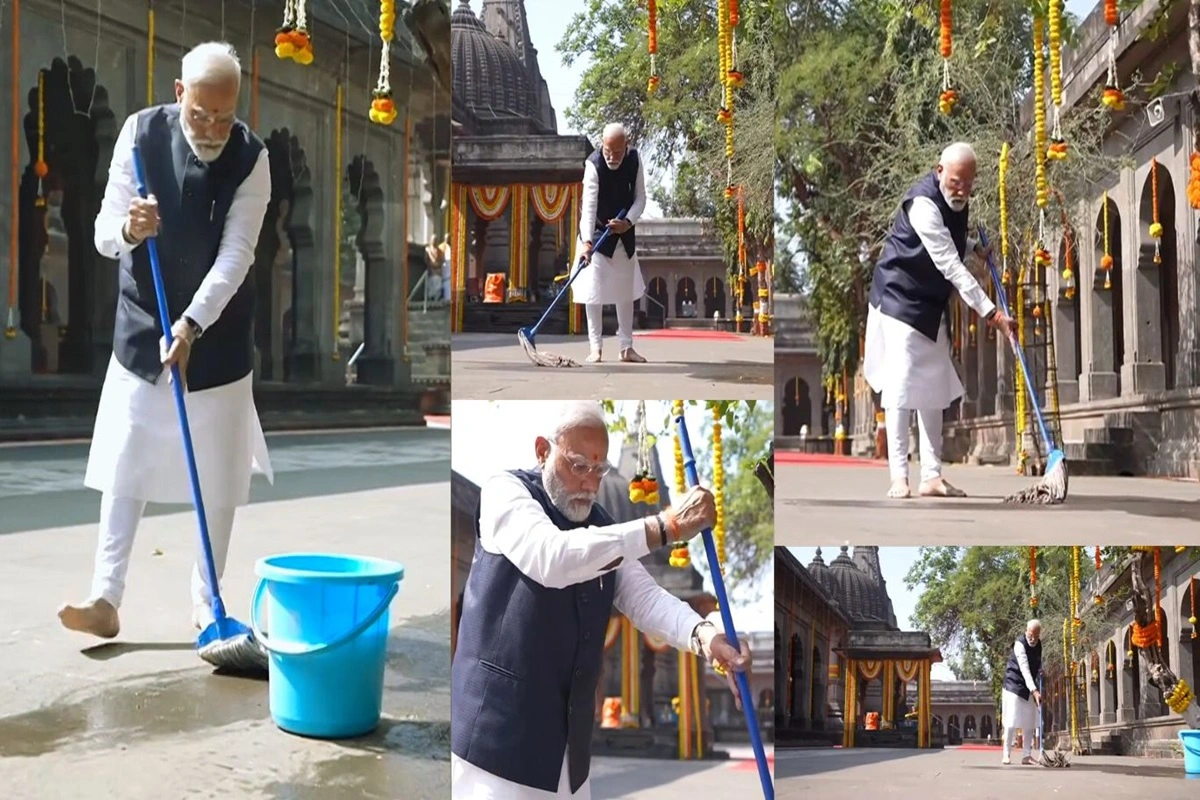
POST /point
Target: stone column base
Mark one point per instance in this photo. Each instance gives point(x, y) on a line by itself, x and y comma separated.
point(1068, 392)
point(376, 370)
point(1108, 718)
point(16, 355)
point(1144, 377)
point(1100, 385)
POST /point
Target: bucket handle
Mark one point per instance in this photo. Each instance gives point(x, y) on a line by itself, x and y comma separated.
point(308, 650)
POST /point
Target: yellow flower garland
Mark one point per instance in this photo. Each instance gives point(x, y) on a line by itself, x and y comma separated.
point(948, 97)
point(1058, 145)
point(679, 555)
point(383, 109)
point(1039, 112)
point(292, 40)
point(718, 489)
point(1006, 277)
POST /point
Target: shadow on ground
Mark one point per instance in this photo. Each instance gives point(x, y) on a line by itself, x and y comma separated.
point(622, 777)
point(754, 372)
point(836, 760)
point(1138, 506)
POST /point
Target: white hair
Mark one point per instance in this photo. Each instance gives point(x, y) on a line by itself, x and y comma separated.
point(576, 415)
point(958, 153)
point(1033, 623)
point(615, 129)
point(210, 63)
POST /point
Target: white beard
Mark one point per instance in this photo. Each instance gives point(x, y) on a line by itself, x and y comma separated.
point(958, 204)
point(207, 151)
point(575, 507)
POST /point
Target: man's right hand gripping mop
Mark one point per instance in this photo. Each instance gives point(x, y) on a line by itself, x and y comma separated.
point(527, 336)
point(227, 644)
point(1053, 488)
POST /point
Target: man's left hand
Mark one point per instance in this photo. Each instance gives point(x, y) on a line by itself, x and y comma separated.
point(618, 226)
point(984, 253)
point(724, 659)
point(180, 349)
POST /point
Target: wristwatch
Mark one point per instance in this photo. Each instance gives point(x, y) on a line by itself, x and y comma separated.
point(695, 643)
point(193, 326)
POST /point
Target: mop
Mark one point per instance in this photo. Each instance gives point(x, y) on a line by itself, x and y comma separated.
point(527, 336)
point(226, 643)
point(1055, 758)
point(1052, 489)
point(714, 567)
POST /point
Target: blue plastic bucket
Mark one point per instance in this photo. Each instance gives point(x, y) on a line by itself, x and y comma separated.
point(1191, 751)
point(328, 623)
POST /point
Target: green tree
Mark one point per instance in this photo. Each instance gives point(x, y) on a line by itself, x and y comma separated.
point(676, 126)
point(747, 431)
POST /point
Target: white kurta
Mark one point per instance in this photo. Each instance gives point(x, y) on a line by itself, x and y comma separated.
point(137, 447)
point(903, 365)
point(608, 280)
point(1015, 712)
point(513, 524)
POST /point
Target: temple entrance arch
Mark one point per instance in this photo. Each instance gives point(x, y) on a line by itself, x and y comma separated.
point(797, 407)
point(656, 307)
point(375, 365)
point(985, 727)
point(1108, 296)
point(685, 292)
point(816, 711)
point(1158, 265)
point(1131, 680)
point(66, 302)
point(795, 710)
point(969, 729)
point(714, 298)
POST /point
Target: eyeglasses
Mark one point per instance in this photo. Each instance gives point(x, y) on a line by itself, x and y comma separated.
point(200, 117)
point(581, 467)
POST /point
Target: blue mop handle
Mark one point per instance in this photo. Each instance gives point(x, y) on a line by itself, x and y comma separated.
point(743, 682)
point(1041, 742)
point(1003, 298)
point(583, 261)
point(164, 317)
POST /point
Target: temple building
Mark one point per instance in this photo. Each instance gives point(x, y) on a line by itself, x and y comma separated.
point(1118, 711)
point(845, 673)
point(1124, 339)
point(800, 397)
point(639, 708)
point(964, 711)
point(348, 261)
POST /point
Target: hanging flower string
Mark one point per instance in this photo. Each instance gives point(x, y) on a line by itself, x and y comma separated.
point(1193, 186)
point(741, 277)
point(1112, 98)
point(383, 109)
point(949, 96)
point(1106, 261)
point(725, 73)
point(40, 168)
point(1076, 560)
point(644, 487)
point(1033, 601)
point(1147, 635)
point(1058, 143)
point(1156, 228)
point(1068, 273)
point(1006, 276)
point(652, 26)
point(1099, 598)
point(718, 489)
point(292, 39)
point(679, 555)
point(1039, 113)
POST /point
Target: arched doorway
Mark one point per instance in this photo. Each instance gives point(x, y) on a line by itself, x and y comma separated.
point(798, 684)
point(953, 730)
point(656, 306)
point(66, 300)
point(797, 407)
point(1162, 267)
point(1070, 362)
point(714, 298)
point(1109, 704)
point(985, 727)
point(375, 365)
point(969, 727)
point(685, 298)
point(1132, 677)
point(816, 710)
point(1108, 296)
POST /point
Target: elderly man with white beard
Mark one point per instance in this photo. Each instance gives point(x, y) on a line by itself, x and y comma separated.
point(550, 566)
point(1020, 697)
point(614, 178)
point(210, 183)
point(907, 358)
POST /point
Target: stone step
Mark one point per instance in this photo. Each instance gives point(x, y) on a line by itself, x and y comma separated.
point(1147, 421)
point(1091, 466)
point(1086, 451)
point(1109, 435)
point(1161, 748)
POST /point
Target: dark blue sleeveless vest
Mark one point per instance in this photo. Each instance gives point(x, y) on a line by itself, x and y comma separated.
point(618, 190)
point(1014, 681)
point(907, 285)
point(527, 663)
point(193, 200)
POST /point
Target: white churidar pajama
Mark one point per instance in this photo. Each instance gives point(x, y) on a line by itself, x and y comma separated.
point(1017, 713)
point(905, 367)
point(513, 524)
point(615, 281)
point(137, 452)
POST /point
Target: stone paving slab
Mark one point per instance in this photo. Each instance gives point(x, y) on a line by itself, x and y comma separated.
point(144, 719)
point(817, 503)
point(956, 774)
point(661, 779)
point(492, 366)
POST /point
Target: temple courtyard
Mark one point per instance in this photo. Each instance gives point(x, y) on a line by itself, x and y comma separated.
point(142, 717)
point(845, 499)
point(659, 779)
point(961, 773)
point(709, 364)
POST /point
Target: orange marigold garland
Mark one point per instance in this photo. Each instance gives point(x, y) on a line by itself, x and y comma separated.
point(1058, 143)
point(949, 96)
point(1099, 598)
point(652, 29)
point(679, 555)
point(1068, 273)
point(383, 109)
point(292, 39)
point(1192, 592)
point(1039, 112)
point(40, 168)
point(644, 487)
point(725, 72)
point(1033, 600)
point(1156, 228)
point(1193, 186)
point(1106, 260)
point(1112, 98)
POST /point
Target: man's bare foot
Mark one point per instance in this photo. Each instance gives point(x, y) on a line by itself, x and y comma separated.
point(202, 616)
point(940, 487)
point(1006, 761)
point(632, 355)
point(899, 490)
point(593, 357)
point(1027, 760)
point(96, 617)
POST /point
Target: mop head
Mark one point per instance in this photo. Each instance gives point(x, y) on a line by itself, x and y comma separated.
point(541, 359)
point(1056, 759)
point(231, 647)
point(1051, 490)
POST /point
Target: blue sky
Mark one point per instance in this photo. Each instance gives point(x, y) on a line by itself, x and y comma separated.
point(894, 562)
